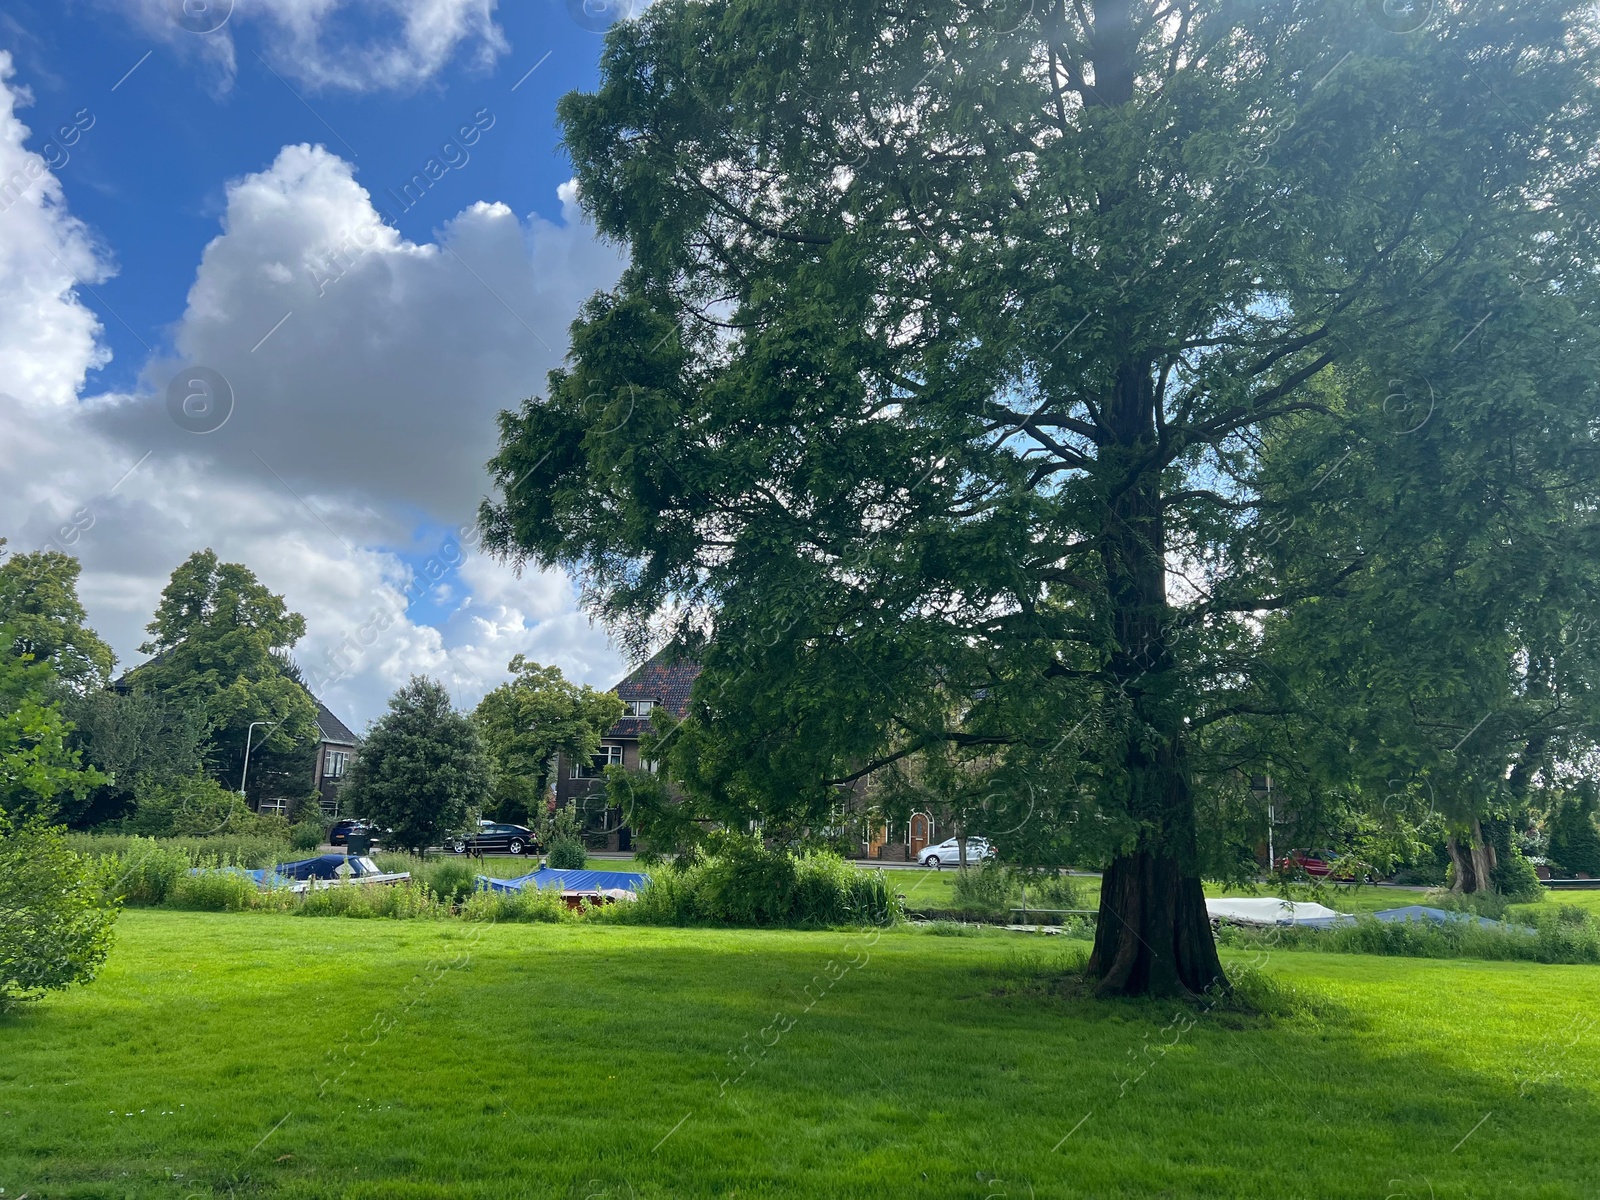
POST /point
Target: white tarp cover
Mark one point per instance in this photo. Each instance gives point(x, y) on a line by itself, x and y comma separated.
point(1269, 910)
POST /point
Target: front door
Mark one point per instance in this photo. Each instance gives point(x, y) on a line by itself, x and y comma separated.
point(919, 834)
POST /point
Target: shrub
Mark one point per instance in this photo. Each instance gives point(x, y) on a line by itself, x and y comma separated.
point(1574, 839)
point(567, 855)
point(55, 921)
point(309, 833)
point(1516, 880)
point(986, 887)
point(452, 882)
point(145, 872)
point(213, 888)
point(746, 884)
point(197, 807)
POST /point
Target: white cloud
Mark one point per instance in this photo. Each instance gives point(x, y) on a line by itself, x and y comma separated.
point(360, 361)
point(357, 45)
point(364, 417)
point(48, 339)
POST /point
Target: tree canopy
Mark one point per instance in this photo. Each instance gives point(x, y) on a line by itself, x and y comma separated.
point(1090, 400)
point(221, 641)
point(39, 605)
point(421, 768)
point(530, 719)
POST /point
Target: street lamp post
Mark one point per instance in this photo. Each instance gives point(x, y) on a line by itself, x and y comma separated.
point(248, 734)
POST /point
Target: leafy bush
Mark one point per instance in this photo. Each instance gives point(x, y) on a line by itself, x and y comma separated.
point(452, 882)
point(55, 921)
point(567, 855)
point(198, 807)
point(986, 887)
point(746, 884)
point(1483, 904)
point(1574, 839)
point(213, 888)
point(144, 872)
point(992, 890)
point(1516, 880)
point(309, 833)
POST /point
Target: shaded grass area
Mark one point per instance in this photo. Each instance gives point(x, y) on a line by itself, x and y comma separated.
point(256, 1054)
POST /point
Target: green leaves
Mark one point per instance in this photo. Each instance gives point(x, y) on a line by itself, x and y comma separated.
point(221, 640)
point(531, 719)
point(1079, 420)
point(421, 767)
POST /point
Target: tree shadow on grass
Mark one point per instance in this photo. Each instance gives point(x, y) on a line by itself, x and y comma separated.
point(926, 1067)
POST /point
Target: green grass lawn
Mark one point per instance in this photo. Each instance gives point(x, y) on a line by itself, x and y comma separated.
point(264, 1055)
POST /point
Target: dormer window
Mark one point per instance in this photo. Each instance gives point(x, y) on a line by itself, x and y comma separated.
point(638, 708)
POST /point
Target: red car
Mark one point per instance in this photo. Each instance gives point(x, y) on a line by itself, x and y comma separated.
point(1317, 863)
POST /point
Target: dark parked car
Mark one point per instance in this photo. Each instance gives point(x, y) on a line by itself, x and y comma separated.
point(339, 835)
point(514, 839)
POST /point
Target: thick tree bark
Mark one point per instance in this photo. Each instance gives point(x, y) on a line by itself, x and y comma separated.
point(1474, 863)
point(1153, 937)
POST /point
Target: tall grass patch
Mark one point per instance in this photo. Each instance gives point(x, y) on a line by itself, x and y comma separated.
point(745, 884)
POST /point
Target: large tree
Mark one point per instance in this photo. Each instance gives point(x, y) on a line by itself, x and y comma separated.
point(421, 768)
point(39, 605)
point(981, 373)
point(221, 640)
point(530, 719)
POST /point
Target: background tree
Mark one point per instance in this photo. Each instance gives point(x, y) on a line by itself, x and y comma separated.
point(39, 605)
point(956, 384)
point(530, 719)
point(220, 641)
point(144, 744)
point(420, 768)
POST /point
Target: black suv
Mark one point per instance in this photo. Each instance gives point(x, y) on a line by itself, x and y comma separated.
point(513, 839)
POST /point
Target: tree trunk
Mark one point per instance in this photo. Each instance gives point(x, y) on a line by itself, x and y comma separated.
point(1153, 936)
point(1474, 863)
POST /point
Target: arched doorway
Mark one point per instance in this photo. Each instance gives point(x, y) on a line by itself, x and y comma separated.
point(921, 833)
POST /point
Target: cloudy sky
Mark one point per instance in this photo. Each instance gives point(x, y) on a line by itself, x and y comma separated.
point(267, 272)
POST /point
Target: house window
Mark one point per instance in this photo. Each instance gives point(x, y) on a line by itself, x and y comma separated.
point(334, 763)
point(278, 807)
point(638, 708)
point(609, 756)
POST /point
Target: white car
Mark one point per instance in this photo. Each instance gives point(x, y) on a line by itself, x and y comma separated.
point(949, 852)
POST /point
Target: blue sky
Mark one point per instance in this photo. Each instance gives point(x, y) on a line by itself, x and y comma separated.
point(355, 213)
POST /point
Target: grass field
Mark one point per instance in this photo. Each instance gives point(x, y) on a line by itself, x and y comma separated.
point(211, 1058)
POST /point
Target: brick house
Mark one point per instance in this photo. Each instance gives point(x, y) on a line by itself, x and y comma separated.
point(662, 682)
point(334, 752)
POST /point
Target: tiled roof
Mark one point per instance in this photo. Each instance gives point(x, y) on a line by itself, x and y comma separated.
point(333, 729)
point(665, 679)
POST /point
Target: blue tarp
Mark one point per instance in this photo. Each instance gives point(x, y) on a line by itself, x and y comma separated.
point(1421, 912)
point(566, 881)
